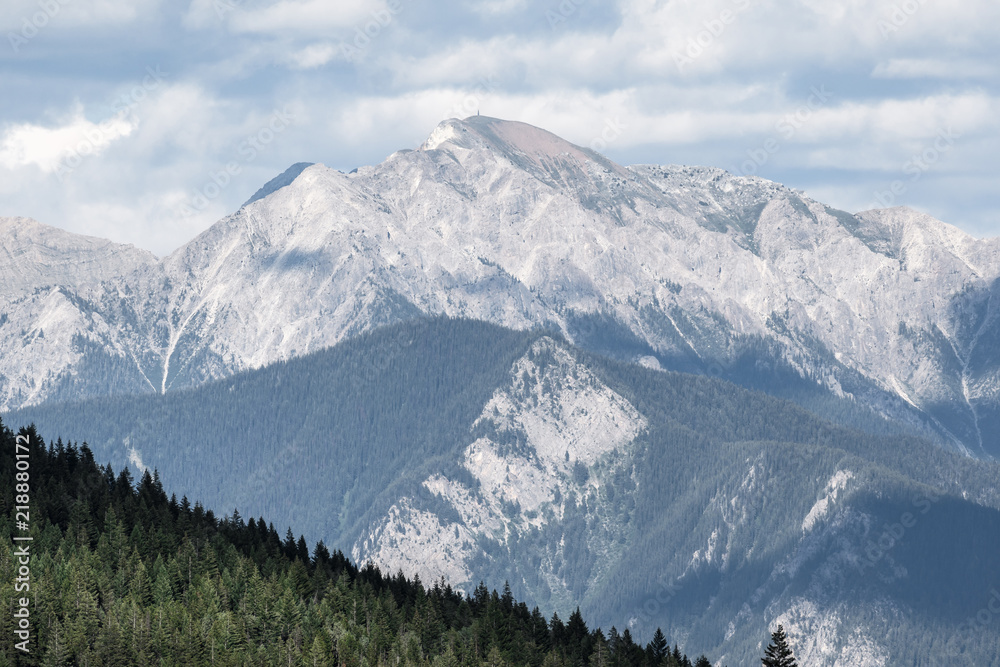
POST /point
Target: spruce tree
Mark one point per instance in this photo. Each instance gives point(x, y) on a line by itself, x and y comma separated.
point(778, 653)
point(56, 655)
point(659, 645)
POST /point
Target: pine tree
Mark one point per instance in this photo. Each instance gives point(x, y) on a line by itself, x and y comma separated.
point(139, 586)
point(778, 653)
point(163, 590)
point(83, 623)
point(302, 550)
point(659, 645)
point(57, 654)
point(298, 579)
point(289, 546)
point(494, 659)
point(540, 631)
point(600, 656)
point(321, 652)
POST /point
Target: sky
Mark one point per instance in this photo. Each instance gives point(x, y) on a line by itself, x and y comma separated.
point(145, 121)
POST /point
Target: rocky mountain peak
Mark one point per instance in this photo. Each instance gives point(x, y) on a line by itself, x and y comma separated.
point(538, 152)
point(504, 222)
point(34, 255)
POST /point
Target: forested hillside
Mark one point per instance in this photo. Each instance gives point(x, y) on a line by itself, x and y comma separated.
point(120, 575)
point(319, 442)
point(458, 448)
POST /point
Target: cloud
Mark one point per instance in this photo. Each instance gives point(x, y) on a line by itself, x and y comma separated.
point(932, 68)
point(604, 74)
point(309, 16)
point(302, 17)
point(314, 55)
point(493, 7)
point(50, 148)
point(17, 14)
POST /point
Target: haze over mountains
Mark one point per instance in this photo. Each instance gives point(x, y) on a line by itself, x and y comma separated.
point(544, 444)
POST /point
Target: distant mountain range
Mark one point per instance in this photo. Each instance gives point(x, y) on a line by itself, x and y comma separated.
point(690, 268)
point(668, 394)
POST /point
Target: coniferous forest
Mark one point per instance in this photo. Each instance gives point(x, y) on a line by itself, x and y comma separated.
point(121, 574)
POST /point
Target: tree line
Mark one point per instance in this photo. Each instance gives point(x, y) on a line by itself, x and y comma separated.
point(122, 574)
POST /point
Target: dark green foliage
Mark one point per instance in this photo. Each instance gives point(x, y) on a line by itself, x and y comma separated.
point(122, 575)
point(659, 645)
point(778, 653)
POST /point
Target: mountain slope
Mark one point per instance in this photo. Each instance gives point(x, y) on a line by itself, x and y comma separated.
point(122, 576)
point(55, 341)
point(464, 450)
point(500, 221)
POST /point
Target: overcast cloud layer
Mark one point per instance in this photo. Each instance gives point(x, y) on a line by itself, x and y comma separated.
point(145, 121)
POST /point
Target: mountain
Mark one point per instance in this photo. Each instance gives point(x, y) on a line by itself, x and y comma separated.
point(55, 343)
point(693, 269)
point(456, 448)
point(122, 576)
point(279, 181)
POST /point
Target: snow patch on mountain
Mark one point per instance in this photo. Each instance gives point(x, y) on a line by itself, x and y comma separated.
point(572, 415)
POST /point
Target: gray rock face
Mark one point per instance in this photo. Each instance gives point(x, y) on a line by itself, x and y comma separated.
point(557, 432)
point(508, 223)
point(55, 341)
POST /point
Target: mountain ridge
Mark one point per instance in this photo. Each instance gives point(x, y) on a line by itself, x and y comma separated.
point(500, 221)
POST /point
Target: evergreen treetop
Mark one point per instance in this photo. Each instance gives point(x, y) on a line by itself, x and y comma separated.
point(778, 653)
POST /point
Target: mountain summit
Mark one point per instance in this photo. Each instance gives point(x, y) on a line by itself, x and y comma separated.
point(886, 313)
point(525, 145)
point(536, 433)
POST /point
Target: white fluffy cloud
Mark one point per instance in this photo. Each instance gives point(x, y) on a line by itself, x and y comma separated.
point(62, 147)
point(314, 55)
